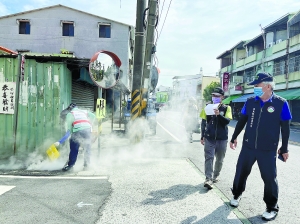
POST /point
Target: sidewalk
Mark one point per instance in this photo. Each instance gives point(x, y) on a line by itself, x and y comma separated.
point(157, 190)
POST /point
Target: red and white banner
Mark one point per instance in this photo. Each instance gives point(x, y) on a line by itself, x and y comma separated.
point(225, 81)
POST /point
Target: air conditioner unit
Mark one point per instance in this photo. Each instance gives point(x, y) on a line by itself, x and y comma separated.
point(278, 41)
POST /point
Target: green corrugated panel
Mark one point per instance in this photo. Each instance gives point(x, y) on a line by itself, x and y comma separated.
point(44, 90)
point(8, 69)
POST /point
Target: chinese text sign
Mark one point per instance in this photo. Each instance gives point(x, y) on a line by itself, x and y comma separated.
point(7, 97)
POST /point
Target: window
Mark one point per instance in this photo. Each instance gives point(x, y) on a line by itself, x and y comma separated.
point(68, 29)
point(249, 75)
point(104, 30)
point(294, 63)
point(279, 67)
point(24, 27)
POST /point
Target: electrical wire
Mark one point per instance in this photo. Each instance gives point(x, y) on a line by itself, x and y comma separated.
point(161, 10)
point(164, 20)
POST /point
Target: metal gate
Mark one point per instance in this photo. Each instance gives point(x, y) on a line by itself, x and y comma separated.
point(83, 95)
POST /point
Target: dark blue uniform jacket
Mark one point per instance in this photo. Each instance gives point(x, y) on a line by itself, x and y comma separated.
point(263, 124)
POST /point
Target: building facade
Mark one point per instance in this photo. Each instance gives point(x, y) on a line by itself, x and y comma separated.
point(276, 51)
point(59, 29)
point(44, 66)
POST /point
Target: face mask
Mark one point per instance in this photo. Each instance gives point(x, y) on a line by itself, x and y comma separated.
point(258, 91)
point(216, 100)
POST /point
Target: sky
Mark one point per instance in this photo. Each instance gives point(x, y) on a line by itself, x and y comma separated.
point(190, 33)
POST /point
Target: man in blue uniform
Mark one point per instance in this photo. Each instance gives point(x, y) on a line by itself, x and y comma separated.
point(265, 114)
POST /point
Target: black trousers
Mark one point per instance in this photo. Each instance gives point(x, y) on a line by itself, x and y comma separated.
point(266, 160)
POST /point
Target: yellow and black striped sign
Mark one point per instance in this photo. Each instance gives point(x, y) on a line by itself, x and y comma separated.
point(135, 104)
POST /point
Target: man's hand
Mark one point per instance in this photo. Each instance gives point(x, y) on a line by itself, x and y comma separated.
point(284, 155)
point(233, 145)
point(217, 112)
point(202, 141)
point(56, 144)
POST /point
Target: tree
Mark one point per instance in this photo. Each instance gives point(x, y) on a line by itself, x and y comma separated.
point(209, 89)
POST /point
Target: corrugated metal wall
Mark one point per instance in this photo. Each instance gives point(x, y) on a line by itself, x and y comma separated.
point(8, 73)
point(44, 92)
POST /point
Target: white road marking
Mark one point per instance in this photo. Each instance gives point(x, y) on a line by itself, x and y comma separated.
point(5, 188)
point(55, 177)
point(169, 132)
point(81, 204)
point(174, 122)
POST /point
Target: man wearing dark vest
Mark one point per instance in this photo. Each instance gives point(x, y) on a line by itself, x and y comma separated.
point(214, 135)
point(265, 114)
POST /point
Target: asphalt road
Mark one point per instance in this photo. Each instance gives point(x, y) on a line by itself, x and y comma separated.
point(52, 199)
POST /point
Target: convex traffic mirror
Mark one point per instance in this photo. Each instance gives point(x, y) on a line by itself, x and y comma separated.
point(104, 69)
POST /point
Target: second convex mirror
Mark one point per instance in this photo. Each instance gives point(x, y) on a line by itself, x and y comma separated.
point(103, 70)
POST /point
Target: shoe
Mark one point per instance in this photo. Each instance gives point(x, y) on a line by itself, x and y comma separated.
point(215, 180)
point(234, 202)
point(269, 215)
point(66, 167)
point(208, 184)
point(86, 168)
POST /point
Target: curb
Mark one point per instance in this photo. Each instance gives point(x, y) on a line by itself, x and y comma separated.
point(225, 199)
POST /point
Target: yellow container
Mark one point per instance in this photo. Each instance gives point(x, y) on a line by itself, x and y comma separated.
point(52, 152)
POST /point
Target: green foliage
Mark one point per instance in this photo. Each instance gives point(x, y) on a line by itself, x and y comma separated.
point(209, 89)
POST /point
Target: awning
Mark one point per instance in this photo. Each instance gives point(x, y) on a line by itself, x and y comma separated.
point(242, 98)
point(290, 94)
point(228, 99)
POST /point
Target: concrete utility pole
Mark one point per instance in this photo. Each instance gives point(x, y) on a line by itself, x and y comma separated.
point(150, 48)
point(138, 59)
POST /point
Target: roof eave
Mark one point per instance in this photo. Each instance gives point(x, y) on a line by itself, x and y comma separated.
point(53, 6)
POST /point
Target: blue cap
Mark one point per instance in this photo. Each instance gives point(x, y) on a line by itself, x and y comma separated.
point(261, 77)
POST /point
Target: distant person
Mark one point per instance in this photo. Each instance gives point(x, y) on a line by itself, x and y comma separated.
point(190, 119)
point(79, 125)
point(265, 114)
point(214, 136)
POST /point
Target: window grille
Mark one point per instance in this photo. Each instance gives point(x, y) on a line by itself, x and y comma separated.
point(294, 64)
point(278, 68)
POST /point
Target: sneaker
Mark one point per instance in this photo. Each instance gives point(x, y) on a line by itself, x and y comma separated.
point(215, 180)
point(234, 202)
point(66, 167)
point(208, 184)
point(269, 215)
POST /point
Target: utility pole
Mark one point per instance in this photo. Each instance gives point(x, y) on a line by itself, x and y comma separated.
point(150, 48)
point(138, 59)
